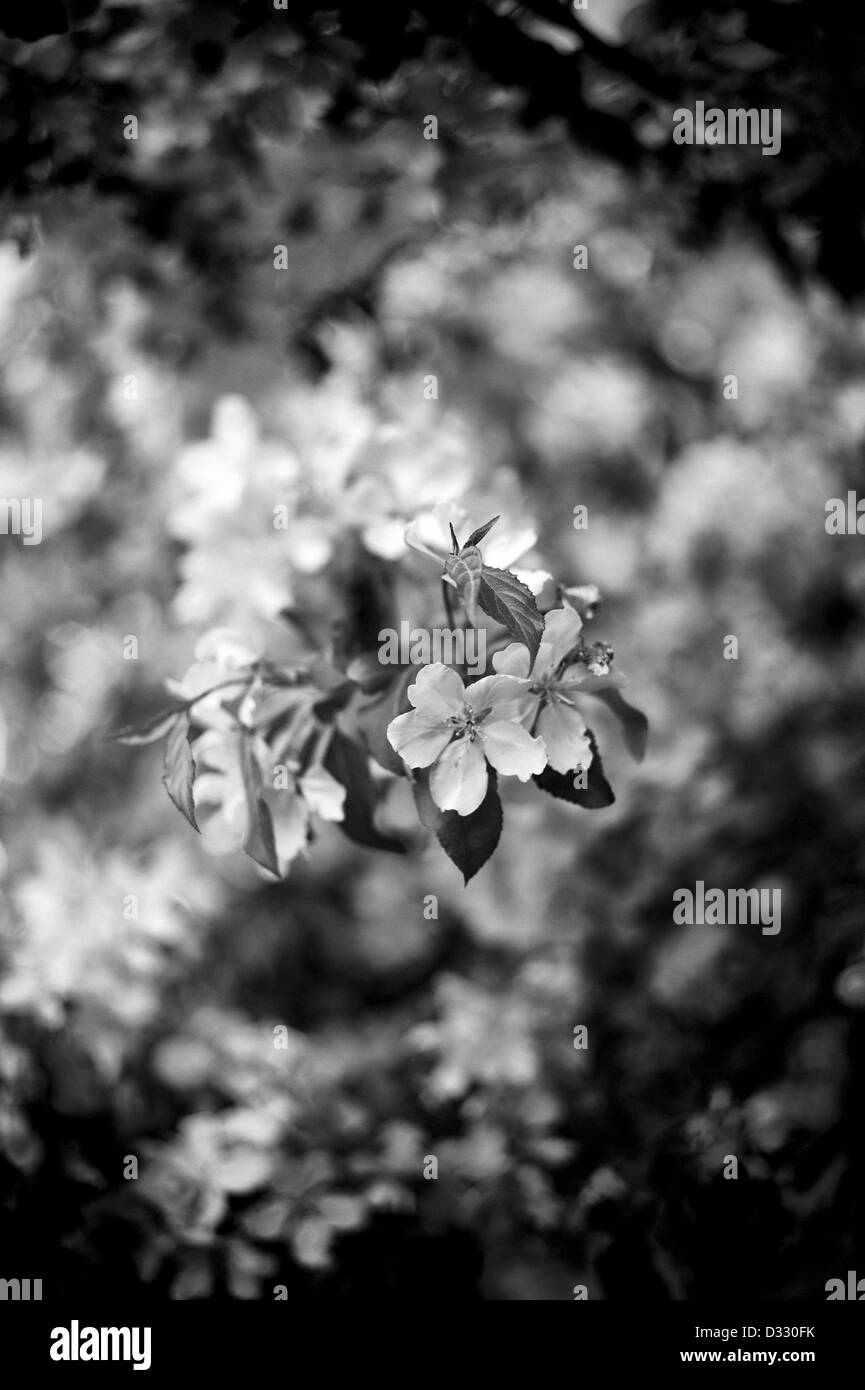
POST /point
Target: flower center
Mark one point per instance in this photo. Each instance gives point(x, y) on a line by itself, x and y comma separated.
point(545, 688)
point(466, 723)
point(549, 691)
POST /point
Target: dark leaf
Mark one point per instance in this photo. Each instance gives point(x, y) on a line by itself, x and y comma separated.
point(150, 732)
point(362, 601)
point(336, 700)
point(506, 599)
point(597, 792)
point(635, 725)
point(467, 840)
point(178, 767)
point(465, 570)
point(454, 542)
point(258, 842)
point(349, 764)
point(477, 536)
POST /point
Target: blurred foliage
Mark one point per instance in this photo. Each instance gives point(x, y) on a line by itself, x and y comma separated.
point(153, 1035)
point(227, 97)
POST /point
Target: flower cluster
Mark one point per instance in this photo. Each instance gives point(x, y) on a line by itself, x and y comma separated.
point(261, 753)
point(519, 721)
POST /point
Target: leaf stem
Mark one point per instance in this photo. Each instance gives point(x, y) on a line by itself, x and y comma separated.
point(223, 685)
point(262, 671)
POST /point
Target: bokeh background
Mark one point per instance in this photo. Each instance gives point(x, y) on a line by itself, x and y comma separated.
point(164, 386)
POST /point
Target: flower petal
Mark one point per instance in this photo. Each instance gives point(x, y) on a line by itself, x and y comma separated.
point(208, 789)
point(513, 661)
point(386, 537)
point(563, 731)
point(534, 580)
point(458, 782)
point(502, 549)
point(290, 826)
point(512, 750)
point(429, 532)
point(323, 794)
point(412, 539)
point(437, 692)
point(417, 740)
point(561, 630)
point(506, 695)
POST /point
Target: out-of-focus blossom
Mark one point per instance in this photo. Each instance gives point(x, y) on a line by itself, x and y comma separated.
point(478, 1036)
point(222, 793)
point(98, 932)
point(305, 1209)
point(190, 1178)
point(222, 666)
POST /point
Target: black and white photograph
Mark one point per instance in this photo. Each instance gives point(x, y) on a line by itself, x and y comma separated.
point(432, 598)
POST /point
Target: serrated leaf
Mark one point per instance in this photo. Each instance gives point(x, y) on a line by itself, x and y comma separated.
point(506, 599)
point(468, 841)
point(150, 732)
point(597, 792)
point(348, 763)
point(178, 767)
point(259, 841)
point(477, 536)
point(635, 725)
point(465, 570)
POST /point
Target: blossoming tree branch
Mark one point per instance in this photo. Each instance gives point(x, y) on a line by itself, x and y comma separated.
point(256, 752)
